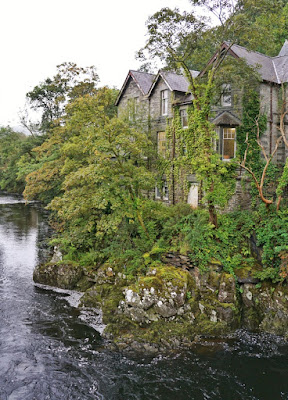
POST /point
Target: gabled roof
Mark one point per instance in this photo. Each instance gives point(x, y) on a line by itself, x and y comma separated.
point(263, 64)
point(174, 81)
point(281, 67)
point(284, 50)
point(142, 79)
point(226, 118)
point(271, 69)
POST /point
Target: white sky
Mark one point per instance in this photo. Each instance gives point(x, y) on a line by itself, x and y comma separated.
point(37, 35)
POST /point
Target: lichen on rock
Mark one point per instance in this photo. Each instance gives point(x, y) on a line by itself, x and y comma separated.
point(63, 274)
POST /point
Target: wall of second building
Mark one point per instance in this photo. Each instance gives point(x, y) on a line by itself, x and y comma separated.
point(270, 106)
point(158, 121)
point(132, 92)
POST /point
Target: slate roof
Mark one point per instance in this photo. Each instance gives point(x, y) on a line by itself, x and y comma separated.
point(271, 69)
point(177, 82)
point(174, 81)
point(284, 50)
point(281, 67)
point(143, 80)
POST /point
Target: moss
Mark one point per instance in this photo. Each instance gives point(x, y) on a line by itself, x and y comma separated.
point(158, 332)
point(63, 274)
point(91, 298)
point(84, 284)
point(207, 327)
point(148, 282)
point(214, 279)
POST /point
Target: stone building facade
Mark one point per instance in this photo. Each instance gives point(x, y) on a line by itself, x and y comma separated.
point(155, 98)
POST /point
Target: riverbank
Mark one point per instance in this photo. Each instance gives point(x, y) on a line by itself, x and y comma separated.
point(172, 307)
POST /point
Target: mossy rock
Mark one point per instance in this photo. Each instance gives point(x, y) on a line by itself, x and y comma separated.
point(91, 298)
point(210, 328)
point(162, 333)
point(158, 278)
point(246, 274)
point(84, 284)
point(64, 275)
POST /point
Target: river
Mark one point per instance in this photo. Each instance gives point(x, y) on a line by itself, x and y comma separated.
point(50, 351)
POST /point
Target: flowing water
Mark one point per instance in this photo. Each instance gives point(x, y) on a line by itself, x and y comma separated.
point(49, 350)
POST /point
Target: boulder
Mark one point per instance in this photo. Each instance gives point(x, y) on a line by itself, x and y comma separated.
point(63, 275)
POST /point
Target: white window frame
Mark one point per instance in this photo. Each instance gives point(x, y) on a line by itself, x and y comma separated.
point(226, 96)
point(164, 192)
point(183, 117)
point(164, 102)
point(228, 138)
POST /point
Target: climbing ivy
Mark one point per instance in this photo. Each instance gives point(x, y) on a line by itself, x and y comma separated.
point(251, 113)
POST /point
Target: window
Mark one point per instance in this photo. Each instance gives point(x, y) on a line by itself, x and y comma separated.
point(162, 193)
point(132, 107)
point(226, 96)
point(184, 118)
point(164, 102)
point(229, 143)
point(216, 140)
point(161, 143)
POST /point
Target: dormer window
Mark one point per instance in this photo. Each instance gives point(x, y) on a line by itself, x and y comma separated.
point(164, 102)
point(226, 96)
point(184, 118)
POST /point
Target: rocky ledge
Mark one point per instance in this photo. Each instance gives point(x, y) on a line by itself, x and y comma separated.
point(170, 307)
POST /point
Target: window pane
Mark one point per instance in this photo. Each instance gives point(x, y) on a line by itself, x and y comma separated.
point(229, 135)
point(164, 102)
point(161, 143)
point(226, 98)
point(184, 118)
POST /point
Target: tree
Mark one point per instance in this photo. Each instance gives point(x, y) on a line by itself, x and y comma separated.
point(52, 95)
point(13, 145)
point(172, 36)
point(104, 175)
point(52, 159)
point(254, 124)
point(178, 39)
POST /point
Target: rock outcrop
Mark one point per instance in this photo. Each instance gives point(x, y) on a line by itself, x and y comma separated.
point(171, 307)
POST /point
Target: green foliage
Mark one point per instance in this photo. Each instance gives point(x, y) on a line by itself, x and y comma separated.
point(251, 114)
point(283, 180)
point(13, 146)
point(68, 147)
point(102, 175)
point(272, 236)
point(51, 96)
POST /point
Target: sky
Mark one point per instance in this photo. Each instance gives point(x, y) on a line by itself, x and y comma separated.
point(38, 35)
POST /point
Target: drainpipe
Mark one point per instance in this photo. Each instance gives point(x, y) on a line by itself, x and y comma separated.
point(271, 118)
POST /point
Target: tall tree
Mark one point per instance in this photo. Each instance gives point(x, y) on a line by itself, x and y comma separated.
point(50, 97)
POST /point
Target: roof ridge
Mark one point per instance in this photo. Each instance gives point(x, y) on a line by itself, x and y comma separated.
point(141, 72)
point(273, 58)
point(276, 73)
point(252, 51)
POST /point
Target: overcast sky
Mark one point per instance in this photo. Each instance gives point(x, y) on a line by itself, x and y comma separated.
point(37, 35)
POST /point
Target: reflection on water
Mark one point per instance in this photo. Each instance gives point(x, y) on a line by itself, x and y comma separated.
point(48, 351)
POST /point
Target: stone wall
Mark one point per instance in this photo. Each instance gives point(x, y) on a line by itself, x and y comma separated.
point(132, 91)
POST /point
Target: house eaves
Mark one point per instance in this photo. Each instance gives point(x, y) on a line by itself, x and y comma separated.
point(263, 64)
point(143, 81)
point(175, 82)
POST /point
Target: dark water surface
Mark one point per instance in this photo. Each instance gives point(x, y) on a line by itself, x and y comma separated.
point(49, 351)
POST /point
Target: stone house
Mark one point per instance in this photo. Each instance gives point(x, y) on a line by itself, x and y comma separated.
point(157, 96)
